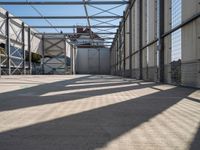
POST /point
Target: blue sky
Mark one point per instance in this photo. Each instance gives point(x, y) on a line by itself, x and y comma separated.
point(62, 10)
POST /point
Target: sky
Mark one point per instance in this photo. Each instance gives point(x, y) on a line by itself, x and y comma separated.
point(62, 11)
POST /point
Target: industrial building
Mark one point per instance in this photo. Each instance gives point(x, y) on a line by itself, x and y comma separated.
point(116, 75)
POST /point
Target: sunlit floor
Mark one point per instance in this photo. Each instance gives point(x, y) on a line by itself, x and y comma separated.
point(86, 112)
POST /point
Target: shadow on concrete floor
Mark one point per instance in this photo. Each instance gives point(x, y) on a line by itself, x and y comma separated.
point(33, 96)
point(86, 130)
point(196, 142)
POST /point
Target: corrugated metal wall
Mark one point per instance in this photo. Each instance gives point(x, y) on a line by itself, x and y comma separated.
point(93, 61)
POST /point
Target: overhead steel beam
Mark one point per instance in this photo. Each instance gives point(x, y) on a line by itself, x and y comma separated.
point(110, 33)
point(196, 16)
point(65, 17)
point(62, 27)
point(76, 38)
point(65, 3)
point(98, 42)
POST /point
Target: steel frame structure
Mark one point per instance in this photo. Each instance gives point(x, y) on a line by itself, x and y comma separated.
point(103, 27)
point(13, 57)
point(139, 52)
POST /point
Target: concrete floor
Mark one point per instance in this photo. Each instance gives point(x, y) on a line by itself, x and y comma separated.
point(96, 113)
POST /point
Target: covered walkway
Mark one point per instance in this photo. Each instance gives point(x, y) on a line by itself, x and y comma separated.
point(86, 112)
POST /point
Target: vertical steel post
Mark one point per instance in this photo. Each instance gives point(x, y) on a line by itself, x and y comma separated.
point(8, 43)
point(117, 46)
point(23, 48)
point(42, 62)
point(72, 58)
point(99, 59)
point(119, 56)
point(161, 40)
point(0, 64)
point(140, 38)
point(115, 56)
point(120, 48)
point(130, 41)
point(74, 67)
point(29, 50)
point(65, 54)
point(124, 36)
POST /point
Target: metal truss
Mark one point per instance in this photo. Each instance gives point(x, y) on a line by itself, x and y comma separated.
point(105, 27)
point(98, 17)
point(12, 57)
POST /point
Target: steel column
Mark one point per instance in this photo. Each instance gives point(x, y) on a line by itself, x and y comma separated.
point(161, 40)
point(140, 38)
point(8, 42)
point(118, 59)
point(115, 55)
point(65, 55)
point(0, 64)
point(23, 48)
point(42, 62)
point(120, 54)
point(130, 42)
point(124, 48)
point(72, 59)
point(117, 50)
point(29, 50)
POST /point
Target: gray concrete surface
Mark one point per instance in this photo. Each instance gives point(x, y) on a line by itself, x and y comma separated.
point(96, 113)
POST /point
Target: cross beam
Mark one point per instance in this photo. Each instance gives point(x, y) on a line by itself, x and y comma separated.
point(62, 27)
point(65, 17)
point(65, 3)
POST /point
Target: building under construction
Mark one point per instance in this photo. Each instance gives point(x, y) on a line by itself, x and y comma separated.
point(112, 75)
